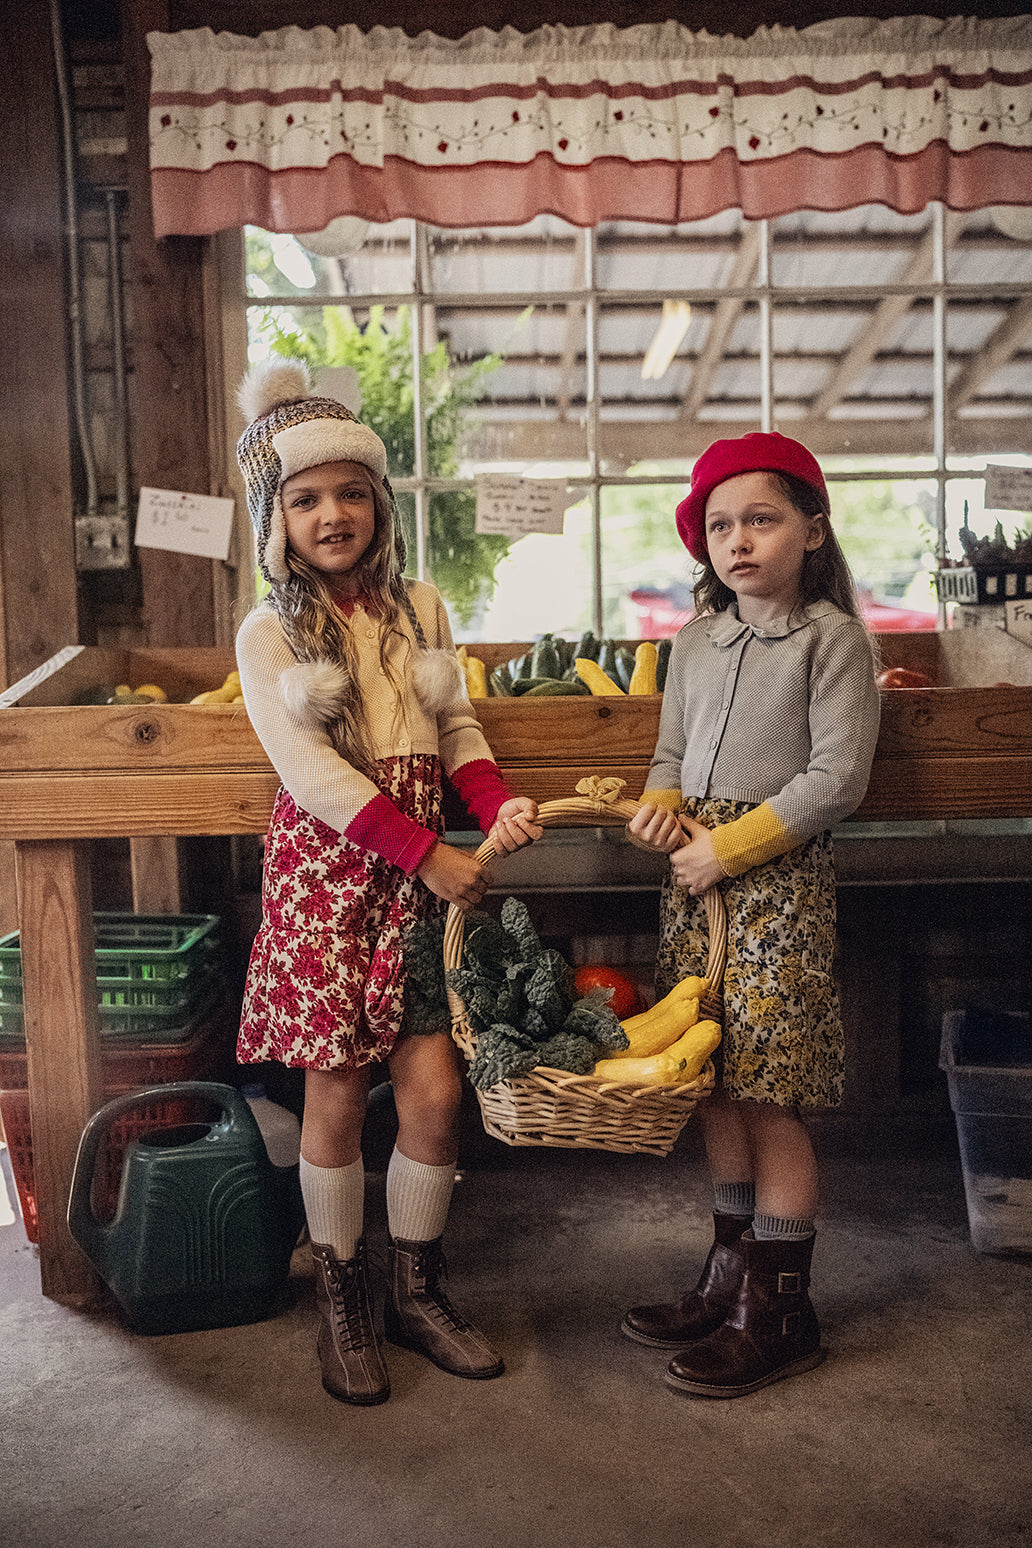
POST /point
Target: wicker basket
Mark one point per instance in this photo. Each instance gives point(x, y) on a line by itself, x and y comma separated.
point(581, 1112)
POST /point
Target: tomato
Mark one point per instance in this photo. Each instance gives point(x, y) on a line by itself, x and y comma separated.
point(626, 999)
point(900, 677)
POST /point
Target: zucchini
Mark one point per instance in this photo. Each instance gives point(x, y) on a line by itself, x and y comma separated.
point(624, 667)
point(544, 659)
point(587, 647)
point(499, 683)
point(565, 650)
point(663, 650)
point(555, 688)
point(606, 659)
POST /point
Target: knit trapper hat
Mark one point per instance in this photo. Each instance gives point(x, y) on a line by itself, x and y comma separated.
point(288, 431)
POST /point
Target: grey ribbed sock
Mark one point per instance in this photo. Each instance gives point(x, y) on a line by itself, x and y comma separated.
point(738, 1198)
point(781, 1228)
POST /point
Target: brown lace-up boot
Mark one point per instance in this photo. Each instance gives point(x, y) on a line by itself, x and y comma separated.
point(672, 1325)
point(349, 1350)
point(770, 1332)
point(418, 1314)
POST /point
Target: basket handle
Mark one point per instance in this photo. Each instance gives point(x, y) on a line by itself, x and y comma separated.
point(598, 803)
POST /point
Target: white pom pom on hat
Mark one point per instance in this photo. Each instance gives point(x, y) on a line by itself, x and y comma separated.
point(271, 383)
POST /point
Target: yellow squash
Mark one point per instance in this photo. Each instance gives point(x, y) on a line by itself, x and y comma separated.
point(476, 677)
point(655, 1029)
point(598, 681)
point(643, 678)
point(694, 1048)
point(682, 1061)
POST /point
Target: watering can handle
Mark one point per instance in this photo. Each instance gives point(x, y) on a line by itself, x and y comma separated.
point(240, 1120)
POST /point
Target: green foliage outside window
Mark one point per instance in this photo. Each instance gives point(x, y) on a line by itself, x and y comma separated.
point(462, 563)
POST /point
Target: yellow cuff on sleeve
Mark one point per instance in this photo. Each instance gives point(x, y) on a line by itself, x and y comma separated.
point(750, 840)
point(671, 799)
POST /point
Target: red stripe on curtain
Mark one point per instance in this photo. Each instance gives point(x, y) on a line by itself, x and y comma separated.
point(307, 199)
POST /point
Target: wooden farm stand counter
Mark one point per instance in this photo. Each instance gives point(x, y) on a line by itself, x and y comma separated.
point(71, 772)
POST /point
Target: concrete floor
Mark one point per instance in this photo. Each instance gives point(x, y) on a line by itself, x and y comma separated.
point(916, 1429)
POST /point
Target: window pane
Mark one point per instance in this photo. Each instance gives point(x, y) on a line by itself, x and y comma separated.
point(543, 584)
point(887, 532)
point(544, 255)
point(372, 342)
point(646, 570)
point(461, 562)
point(280, 265)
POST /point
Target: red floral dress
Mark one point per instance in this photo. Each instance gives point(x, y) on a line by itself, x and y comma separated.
point(325, 985)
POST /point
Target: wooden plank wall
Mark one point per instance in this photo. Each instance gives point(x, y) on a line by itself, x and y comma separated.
point(168, 409)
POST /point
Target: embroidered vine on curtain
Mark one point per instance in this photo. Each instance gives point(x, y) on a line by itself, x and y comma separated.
point(653, 123)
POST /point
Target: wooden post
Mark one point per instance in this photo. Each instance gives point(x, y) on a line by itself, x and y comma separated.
point(38, 599)
point(154, 867)
point(169, 383)
point(59, 982)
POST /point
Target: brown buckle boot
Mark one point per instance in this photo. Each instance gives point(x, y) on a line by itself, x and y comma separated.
point(671, 1325)
point(770, 1332)
point(349, 1350)
point(419, 1316)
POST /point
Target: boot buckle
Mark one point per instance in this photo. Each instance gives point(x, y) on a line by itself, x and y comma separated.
point(790, 1284)
point(790, 1324)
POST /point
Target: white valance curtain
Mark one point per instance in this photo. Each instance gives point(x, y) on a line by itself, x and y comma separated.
point(654, 123)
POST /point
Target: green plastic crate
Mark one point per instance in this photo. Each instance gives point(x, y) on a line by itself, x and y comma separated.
point(152, 972)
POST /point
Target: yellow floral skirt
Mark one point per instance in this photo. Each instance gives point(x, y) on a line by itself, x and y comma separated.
point(783, 1039)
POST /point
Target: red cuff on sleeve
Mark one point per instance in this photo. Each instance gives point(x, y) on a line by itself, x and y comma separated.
point(379, 826)
point(481, 789)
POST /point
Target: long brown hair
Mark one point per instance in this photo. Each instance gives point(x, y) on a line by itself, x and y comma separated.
point(825, 575)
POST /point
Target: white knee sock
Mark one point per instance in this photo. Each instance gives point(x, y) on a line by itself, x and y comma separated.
point(334, 1205)
point(418, 1197)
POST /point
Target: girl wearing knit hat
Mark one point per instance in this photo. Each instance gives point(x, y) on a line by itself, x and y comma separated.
point(351, 681)
point(768, 727)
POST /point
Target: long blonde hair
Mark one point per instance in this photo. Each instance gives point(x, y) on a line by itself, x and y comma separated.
point(317, 628)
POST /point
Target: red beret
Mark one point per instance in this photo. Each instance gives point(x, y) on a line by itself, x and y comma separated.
point(758, 452)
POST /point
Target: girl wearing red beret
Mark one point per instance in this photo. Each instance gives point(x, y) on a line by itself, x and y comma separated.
point(768, 728)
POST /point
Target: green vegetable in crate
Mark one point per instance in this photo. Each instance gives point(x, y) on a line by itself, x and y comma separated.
point(607, 659)
point(587, 647)
point(544, 659)
point(565, 651)
point(565, 687)
point(663, 650)
point(499, 682)
point(624, 667)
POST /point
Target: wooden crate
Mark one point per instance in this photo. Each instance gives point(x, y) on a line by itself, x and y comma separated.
point(961, 749)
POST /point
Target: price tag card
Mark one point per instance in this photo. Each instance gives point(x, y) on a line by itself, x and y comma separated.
point(515, 506)
point(1008, 489)
point(1019, 621)
point(184, 523)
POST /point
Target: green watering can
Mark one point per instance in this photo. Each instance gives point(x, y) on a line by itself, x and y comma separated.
point(204, 1226)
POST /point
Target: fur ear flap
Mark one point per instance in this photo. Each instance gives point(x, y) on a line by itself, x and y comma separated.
point(314, 689)
point(438, 680)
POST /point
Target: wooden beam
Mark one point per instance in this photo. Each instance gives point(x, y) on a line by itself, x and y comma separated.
point(60, 987)
point(627, 442)
point(881, 323)
point(725, 315)
point(38, 596)
point(169, 403)
point(1002, 345)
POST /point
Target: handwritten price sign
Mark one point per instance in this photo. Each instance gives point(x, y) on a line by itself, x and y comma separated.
point(184, 523)
point(515, 506)
point(1007, 488)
